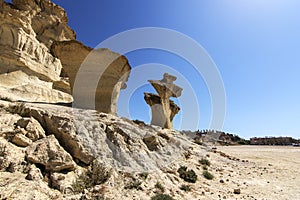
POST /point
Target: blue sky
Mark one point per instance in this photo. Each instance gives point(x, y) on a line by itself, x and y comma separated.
point(255, 45)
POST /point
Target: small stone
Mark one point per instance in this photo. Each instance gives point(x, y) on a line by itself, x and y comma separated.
point(34, 173)
point(221, 181)
point(237, 191)
point(21, 140)
point(48, 152)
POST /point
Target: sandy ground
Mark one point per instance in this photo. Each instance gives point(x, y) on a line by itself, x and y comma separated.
point(259, 172)
point(272, 172)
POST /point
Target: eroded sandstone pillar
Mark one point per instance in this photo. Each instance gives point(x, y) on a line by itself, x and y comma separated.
point(163, 109)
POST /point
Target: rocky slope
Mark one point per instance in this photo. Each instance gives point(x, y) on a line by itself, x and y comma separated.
point(48, 141)
point(55, 152)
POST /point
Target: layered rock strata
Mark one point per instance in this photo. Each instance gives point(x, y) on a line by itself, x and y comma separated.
point(27, 30)
point(40, 60)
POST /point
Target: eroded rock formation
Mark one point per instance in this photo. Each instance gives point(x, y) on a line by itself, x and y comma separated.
point(40, 59)
point(99, 72)
point(27, 30)
point(163, 109)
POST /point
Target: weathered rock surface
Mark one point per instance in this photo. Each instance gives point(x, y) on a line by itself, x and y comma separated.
point(34, 173)
point(154, 101)
point(34, 40)
point(83, 136)
point(88, 134)
point(50, 154)
point(7, 121)
point(87, 66)
point(17, 187)
point(63, 182)
point(34, 129)
point(27, 29)
point(12, 158)
point(19, 86)
point(163, 109)
point(21, 140)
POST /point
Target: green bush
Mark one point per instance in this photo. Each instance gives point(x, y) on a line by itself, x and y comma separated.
point(144, 175)
point(134, 185)
point(185, 188)
point(159, 186)
point(204, 161)
point(207, 175)
point(162, 197)
point(98, 174)
point(187, 175)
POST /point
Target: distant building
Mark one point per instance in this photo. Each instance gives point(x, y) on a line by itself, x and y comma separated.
point(272, 141)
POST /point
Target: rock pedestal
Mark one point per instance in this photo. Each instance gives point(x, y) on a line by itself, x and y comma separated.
point(163, 109)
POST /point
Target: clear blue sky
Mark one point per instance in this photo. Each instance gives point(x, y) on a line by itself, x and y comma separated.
point(255, 45)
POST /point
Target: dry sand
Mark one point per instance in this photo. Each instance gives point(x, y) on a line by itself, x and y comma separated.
point(272, 172)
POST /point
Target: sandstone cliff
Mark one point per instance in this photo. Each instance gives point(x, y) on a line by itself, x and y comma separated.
point(27, 30)
point(40, 58)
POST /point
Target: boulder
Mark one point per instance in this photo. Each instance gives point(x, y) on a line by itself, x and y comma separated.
point(8, 121)
point(34, 173)
point(12, 158)
point(21, 140)
point(63, 182)
point(151, 141)
point(34, 129)
point(49, 153)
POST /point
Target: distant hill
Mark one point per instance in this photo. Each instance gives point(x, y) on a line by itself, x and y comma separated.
point(217, 137)
point(274, 141)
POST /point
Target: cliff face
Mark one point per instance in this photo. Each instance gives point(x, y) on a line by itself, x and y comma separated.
point(28, 71)
point(40, 58)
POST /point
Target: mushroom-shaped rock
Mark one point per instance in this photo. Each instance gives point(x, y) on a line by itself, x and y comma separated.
point(158, 117)
point(163, 109)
